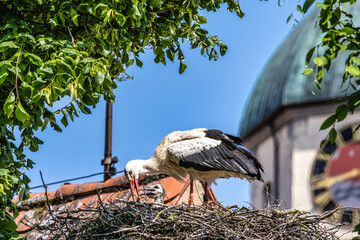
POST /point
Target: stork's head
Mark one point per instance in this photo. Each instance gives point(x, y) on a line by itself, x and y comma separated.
point(134, 169)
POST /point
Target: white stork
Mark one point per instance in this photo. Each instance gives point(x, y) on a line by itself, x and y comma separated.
point(200, 153)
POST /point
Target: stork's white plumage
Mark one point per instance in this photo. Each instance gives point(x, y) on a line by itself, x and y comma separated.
point(200, 153)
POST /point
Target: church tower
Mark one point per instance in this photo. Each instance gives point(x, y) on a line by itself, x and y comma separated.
point(281, 126)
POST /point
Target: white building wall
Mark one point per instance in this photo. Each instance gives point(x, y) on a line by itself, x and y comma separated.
point(264, 153)
point(306, 139)
point(301, 192)
point(285, 166)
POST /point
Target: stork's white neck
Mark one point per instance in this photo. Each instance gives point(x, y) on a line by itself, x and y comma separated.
point(148, 166)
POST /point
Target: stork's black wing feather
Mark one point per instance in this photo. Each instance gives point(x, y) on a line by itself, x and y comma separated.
point(225, 156)
point(219, 135)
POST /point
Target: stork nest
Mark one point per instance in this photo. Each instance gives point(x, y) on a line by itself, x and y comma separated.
point(133, 220)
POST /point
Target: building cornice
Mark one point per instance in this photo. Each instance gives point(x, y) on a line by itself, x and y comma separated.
point(284, 115)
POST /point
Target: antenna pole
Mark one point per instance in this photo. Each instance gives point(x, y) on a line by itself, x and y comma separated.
point(108, 141)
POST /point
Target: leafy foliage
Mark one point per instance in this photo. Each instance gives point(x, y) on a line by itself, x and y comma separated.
point(357, 230)
point(76, 51)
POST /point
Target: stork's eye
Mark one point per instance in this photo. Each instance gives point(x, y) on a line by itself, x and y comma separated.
point(130, 172)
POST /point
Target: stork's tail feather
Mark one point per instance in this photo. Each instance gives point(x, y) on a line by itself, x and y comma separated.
point(250, 163)
point(261, 179)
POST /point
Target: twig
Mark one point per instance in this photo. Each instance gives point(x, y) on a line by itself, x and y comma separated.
point(46, 195)
point(16, 77)
point(47, 200)
point(72, 38)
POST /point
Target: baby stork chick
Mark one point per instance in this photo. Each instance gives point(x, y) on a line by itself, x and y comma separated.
point(156, 192)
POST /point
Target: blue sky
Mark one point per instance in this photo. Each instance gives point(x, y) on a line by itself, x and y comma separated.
point(159, 100)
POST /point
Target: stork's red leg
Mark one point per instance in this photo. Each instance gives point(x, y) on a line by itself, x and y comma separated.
point(191, 194)
point(206, 193)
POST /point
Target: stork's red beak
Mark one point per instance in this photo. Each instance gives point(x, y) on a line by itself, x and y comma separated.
point(134, 187)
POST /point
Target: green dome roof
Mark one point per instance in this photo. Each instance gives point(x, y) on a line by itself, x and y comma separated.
point(282, 83)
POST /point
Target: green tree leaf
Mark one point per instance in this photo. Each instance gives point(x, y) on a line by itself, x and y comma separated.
point(188, 19)
point(308, 71)
point(139, 63)
point(320, 74)
point(289, 18)
point(3, 75)
point(322, 5)
point(357, 228)
point(202, 19)
point(182, 67)
point(20, 113)
point(3, 171)
point(6, 45)
point(213, 54)
point(306, 5)
point(342, 114)
point(34, 59)
point(349, 30)
point(309, 55)
point(332, 135)
point(9, 104)
point(356, 60)
point(319, 61)
point(170, 54)
point(9, 223)
point(48, 96)
point(328, 122)
point(223, 49)
point(99, 77)
point(353, 70)
point(64, 120)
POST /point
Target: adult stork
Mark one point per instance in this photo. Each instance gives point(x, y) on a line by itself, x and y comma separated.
point(199, 153)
